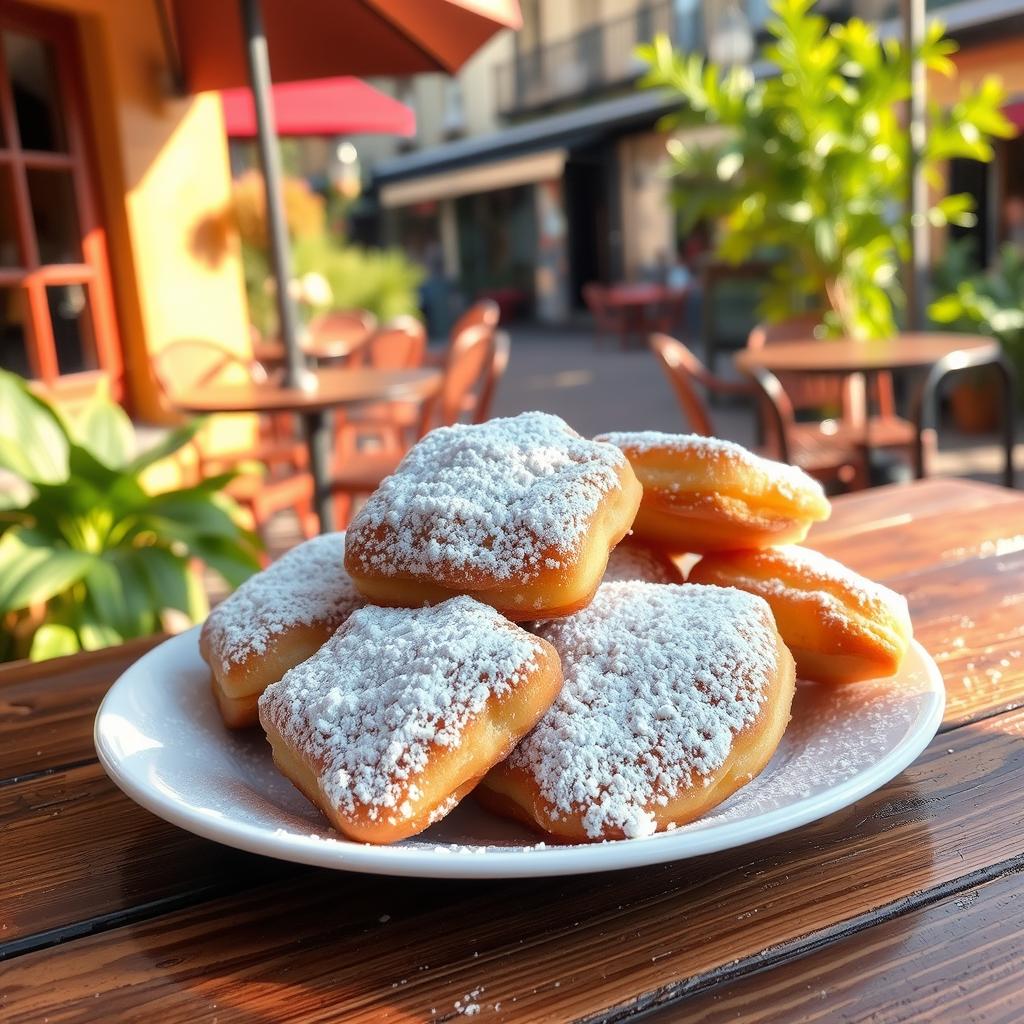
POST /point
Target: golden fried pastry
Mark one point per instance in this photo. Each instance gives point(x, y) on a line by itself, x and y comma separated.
point(704, 494)
point(274, 620)
point(402, 711)
point(840, 626)
point(674, 697)
point(520, 513)
point(632, 560)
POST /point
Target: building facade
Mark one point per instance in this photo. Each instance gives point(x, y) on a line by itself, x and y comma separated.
point(540, 167)
point(113, 190)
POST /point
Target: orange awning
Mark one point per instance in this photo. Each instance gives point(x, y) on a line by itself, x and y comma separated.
point(320, 38)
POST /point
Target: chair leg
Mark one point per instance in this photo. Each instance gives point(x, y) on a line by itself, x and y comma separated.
point(342, 509)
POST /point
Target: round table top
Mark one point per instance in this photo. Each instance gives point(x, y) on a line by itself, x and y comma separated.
point(640, 294)
point(822, 355)
point(336, 387)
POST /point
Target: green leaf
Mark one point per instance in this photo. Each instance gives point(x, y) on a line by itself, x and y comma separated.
point(233, 561)
point(33, 438)
point(171, 442)
point(166, 576)
point(52, 640)
point(104, 430)
point(32, 570)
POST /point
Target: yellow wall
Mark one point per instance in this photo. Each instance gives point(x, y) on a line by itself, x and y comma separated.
point(164, 178)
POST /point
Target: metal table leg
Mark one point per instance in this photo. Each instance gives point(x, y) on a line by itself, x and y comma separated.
point(925, 416)
point(318, 437)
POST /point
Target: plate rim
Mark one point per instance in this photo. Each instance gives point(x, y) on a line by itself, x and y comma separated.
point(553, 859)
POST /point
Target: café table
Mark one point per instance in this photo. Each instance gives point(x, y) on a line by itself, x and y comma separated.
point(642, 307)
point(908, 905)
point(930, 357)
point(330, 388)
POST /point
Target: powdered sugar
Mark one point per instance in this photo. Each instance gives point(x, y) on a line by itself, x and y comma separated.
point(307, 585)
point(635, 562)
point(790, 480)
point(501, 500)
point(658, 680)
point(388, 686)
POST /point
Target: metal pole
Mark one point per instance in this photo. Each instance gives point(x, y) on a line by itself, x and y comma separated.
point(916, 272)
point(277, 225)
point(316, 425)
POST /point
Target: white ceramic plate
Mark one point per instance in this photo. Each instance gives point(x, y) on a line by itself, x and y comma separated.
point(160, 738)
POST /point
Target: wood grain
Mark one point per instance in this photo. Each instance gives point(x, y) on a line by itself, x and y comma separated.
point(894, 505)
point(970, 617)
point(77, 850)
point(960, 959)
point(957, 536)
point(47, 708)
point(329, 946)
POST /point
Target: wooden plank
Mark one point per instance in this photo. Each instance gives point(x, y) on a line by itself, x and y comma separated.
point(961, 959)
point(47, 708)
point(330, 946)
point(898, 504)
point(970, 617)
point(893, 549)
point(77, 850)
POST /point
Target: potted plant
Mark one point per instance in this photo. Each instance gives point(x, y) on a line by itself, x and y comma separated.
point(88, 557)
point(813, 160)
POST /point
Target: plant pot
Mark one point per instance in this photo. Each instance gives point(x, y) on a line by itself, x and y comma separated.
point(972, 400)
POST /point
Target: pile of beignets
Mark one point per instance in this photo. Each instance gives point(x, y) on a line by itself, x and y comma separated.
point(507, 615)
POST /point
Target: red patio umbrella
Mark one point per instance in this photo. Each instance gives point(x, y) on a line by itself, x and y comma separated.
point(327, 106)
point(217, 40)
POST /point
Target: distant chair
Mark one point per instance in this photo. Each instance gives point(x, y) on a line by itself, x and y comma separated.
point(803, 444)
point(475, 361)
point(189, 365)
point(485, 312)
point(400, 344)
point(341, 331)
point(606, 323)
point(842, 395)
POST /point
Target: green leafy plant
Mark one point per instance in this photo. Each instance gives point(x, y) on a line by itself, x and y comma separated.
point(88, 558)
point(382, 281)
point(991, 302)
point(813, 160)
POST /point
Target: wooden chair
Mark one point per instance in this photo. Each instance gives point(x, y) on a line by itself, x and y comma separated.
point(400, 344)
point(474, 363)
point(843, 395)
point(499, 364)
point(344, 331)
point(485, 312)
point(806, 445)
point(287, 484)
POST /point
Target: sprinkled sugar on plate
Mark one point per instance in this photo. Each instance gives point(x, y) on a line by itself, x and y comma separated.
point(161, 740)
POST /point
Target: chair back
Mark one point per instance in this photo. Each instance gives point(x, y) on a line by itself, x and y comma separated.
point(467, 367)
point(687, 375)
point(400, 344)
point(501, 350)
point(804, 392)
point(342, 329)
point(485, 311)
point(195, 362)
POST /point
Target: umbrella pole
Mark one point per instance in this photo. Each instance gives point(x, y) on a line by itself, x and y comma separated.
point(316, 425)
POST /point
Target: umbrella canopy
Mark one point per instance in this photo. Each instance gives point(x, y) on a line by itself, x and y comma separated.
point(317, 38)
point(327, 106)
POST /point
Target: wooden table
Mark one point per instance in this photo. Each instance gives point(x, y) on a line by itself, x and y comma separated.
point(335, 388)
point(908, 905)
point(933, 356)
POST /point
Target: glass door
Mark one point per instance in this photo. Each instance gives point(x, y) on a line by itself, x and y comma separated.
point(57, 321)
